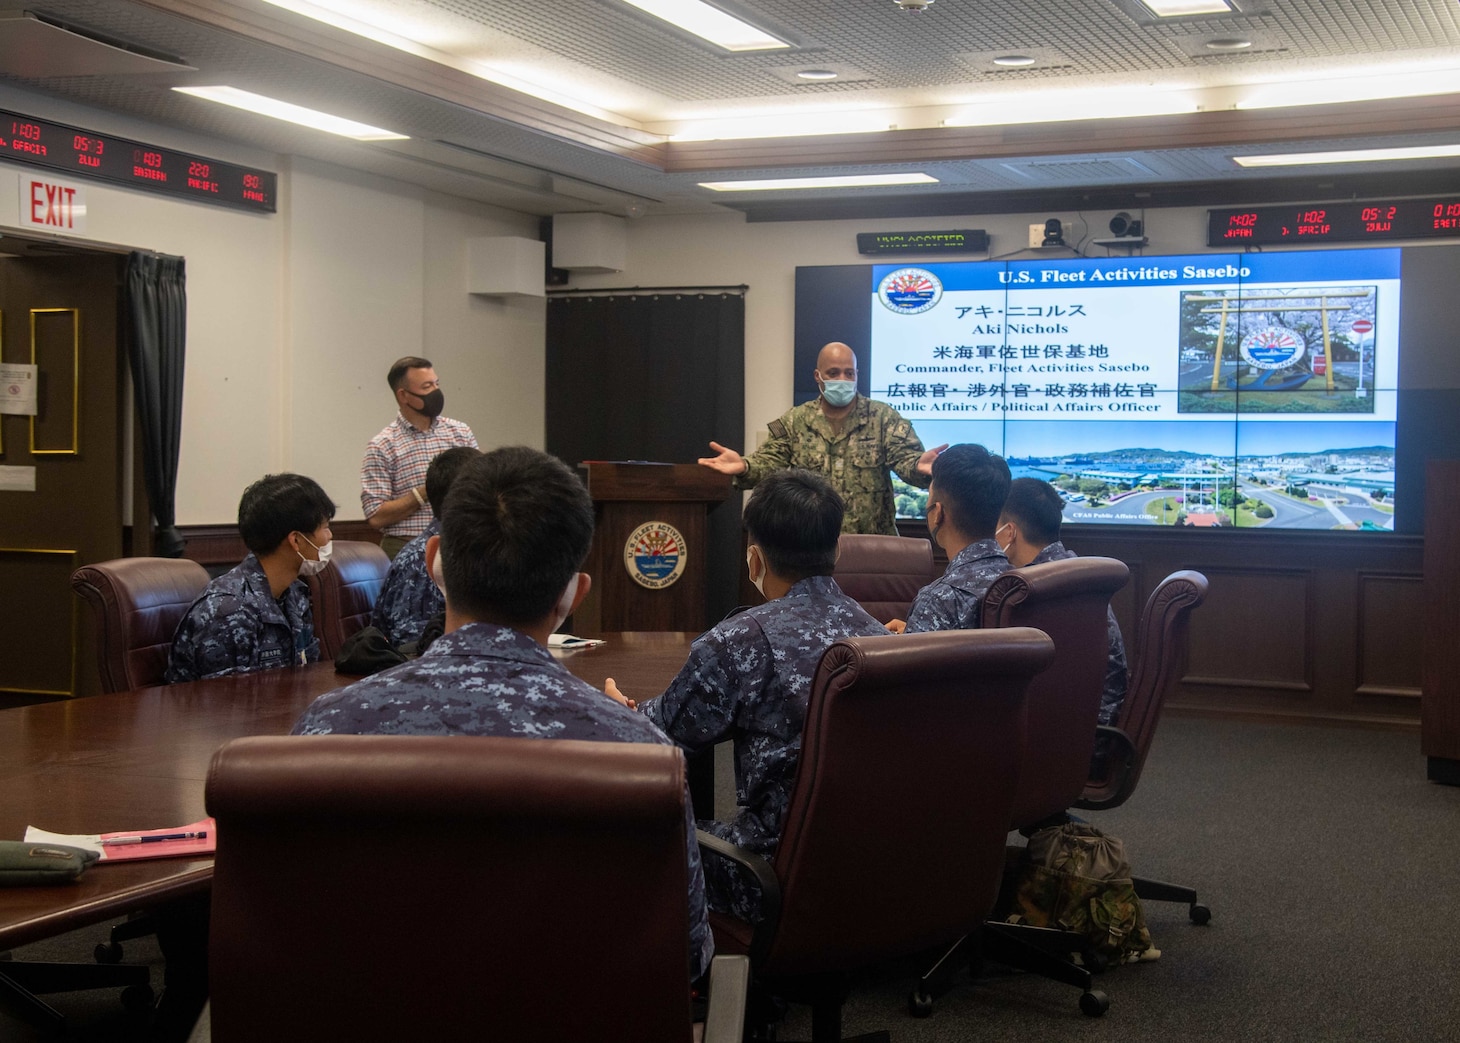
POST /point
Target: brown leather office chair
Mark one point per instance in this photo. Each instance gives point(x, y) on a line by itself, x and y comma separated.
point(1163, 644)
point(137, 604)
point(883, 573)
point(1068, 600)
point(500, 888)
point(343, 595)
point(894, 837)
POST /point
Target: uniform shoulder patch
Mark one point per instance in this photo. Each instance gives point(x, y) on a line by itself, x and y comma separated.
point(778, 429)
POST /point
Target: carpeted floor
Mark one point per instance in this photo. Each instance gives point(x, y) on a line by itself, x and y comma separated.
point(1329, 863)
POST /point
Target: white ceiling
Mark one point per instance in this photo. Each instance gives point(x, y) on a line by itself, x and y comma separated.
point(631, 82)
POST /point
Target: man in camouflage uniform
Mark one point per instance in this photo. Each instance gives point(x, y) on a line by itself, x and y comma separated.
point(1029, 530)
point(748, 678)
point(409, 598)
point(257, 616)
point(968, 490)
point(849, 440)
point(515, 530)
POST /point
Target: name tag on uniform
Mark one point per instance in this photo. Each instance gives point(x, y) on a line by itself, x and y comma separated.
point(271, 657)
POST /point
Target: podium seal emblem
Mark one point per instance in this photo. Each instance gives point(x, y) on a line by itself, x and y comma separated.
point(654, 555)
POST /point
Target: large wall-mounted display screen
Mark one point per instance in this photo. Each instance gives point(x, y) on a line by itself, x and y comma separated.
point(1245, 390)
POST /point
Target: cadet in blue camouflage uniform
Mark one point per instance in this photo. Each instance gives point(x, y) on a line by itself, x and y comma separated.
point(748, 678)
point(849, 440)
point(257, 616)
point(968, 490)
point(409, 597)
point(516, 527)
point(1029, 529)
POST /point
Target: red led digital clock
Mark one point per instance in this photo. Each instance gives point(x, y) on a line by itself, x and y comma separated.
point(1348, 222)
point(85, 153)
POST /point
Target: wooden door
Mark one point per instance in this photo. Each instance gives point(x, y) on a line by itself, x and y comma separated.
point(62, 312)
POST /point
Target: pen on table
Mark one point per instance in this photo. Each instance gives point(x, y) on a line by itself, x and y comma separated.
point(158, 838)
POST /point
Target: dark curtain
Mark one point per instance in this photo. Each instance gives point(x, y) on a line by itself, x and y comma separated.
point(157, 309)
point(652, 376)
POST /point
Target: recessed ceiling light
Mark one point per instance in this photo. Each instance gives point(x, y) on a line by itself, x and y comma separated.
point(817, 74)
point(291, 113)
point(848, 181)
point(1178, 8)
point(711, 23)
point(1363, 155)
point(1013, 61)
point(1229, 43)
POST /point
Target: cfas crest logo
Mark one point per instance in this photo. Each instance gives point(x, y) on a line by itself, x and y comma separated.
point(1273, 347)
point(654, 555)
point(909, 291)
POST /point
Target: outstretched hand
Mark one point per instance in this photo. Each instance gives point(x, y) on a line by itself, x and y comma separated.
point(925, 462)
point(611, 690)
point(726, 461)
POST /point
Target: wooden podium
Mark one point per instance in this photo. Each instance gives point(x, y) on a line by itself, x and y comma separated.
point(649, 504)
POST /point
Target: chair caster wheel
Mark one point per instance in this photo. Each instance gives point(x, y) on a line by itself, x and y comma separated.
point(919, 1004)
point(1094, 1003)
point(108, 952)
point(137, 997)
point(1200, 914)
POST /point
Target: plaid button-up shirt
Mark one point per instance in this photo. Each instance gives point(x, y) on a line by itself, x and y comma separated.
point(397, 458)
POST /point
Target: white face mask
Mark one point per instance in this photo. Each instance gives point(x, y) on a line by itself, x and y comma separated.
point(759, 584)
point(310, 567)
point(565, 603)
point(562, 611)
point(1005, 531)
point(438, 576)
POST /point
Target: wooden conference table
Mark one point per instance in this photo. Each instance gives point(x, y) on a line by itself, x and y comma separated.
point(139, 759)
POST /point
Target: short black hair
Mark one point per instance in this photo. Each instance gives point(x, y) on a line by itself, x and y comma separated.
point(515, 527)
point(396, 378)
point(795, 517)
point(278, 504)
point(971, 484)
point(442, 472)
point(1037, 508)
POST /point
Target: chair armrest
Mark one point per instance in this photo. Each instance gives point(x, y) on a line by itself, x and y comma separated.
point(729, 988)
point(1123, 754)
point(765, 876)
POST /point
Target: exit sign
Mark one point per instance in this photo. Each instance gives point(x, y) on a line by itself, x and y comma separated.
point(52, 206)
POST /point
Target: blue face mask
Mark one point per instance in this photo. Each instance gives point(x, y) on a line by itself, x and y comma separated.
point(839, 392)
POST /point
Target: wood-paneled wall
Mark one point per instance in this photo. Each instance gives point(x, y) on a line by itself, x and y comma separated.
point(1326, 626)
point(1319, 625)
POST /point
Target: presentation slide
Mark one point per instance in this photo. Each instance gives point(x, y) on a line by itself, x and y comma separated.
point(1254, 390)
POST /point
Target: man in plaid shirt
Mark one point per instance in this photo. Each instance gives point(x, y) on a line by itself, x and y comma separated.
point(393, 476)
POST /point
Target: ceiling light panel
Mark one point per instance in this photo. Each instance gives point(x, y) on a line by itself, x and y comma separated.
point(1364, 155)
point(1358, 85)
point(848, 181)
point(782, 125)
point(1058, 106)
point(262, 105)
point(1186, 8)
point(711, 24)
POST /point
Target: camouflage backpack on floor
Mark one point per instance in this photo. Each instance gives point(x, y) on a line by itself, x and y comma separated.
point(1076, 878)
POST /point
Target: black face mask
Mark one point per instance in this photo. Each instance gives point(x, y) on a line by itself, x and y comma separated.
point(432, 404)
